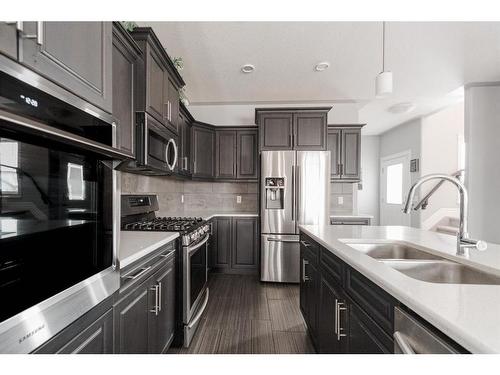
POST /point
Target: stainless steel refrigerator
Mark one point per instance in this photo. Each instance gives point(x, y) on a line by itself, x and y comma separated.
point(295, 189)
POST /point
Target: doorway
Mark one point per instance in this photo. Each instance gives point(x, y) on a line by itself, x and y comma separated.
point(394, 184)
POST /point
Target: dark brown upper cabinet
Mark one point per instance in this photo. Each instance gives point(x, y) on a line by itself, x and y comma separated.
point(125, 56)
point(276, 131)
point(225, 149)
point(158, 81)
point(184, 126)
point(203, 151)
point(310, 131)
point(292, 128)
point(334, 139)
point(344, 144)
point(8, 39)
point(236, 154)
point(74, 55)
point(247, 155)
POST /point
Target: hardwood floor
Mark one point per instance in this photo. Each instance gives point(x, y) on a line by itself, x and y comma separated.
point(246, 316)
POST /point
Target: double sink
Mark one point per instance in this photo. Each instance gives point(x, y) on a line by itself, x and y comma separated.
point(420, 265)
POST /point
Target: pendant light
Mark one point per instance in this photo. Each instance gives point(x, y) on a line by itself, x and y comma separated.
point(383, 82)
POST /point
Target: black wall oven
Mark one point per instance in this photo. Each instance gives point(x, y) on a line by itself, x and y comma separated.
point(58, 212)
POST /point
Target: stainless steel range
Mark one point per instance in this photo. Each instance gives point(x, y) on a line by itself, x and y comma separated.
point(139, 214)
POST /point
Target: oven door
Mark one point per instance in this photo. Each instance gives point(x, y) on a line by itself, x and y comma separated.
point(58, 216)
point(195, 278)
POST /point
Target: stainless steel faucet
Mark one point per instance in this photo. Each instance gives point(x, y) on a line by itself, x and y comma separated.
point(464, 243)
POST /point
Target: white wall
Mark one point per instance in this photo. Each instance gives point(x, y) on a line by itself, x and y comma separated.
point(482, 137)
point(407, 136)
point(244, 114)
point(368, 198)
point(441, 132)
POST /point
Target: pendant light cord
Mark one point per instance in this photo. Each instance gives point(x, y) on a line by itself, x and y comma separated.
point(383, 46)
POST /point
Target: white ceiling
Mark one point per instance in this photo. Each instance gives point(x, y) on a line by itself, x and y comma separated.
point(428, 60)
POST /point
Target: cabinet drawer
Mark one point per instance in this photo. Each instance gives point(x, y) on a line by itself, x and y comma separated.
point(332, 265)
point(377, 303)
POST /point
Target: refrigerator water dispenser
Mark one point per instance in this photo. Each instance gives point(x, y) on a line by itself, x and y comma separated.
point(275, 191)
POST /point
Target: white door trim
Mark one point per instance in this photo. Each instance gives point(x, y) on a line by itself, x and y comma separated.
point(403, 154)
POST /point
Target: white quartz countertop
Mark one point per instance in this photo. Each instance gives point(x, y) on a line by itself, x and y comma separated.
point(135, 244)
point(467, 313)
point(209, 215)
point(351, 216)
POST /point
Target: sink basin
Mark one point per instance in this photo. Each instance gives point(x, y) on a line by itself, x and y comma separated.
point(445, 272)
point(391, 251)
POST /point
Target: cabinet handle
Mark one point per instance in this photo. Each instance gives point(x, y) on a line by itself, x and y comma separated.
point(304, 276)
point(339, 306)
point(306, 244)
point(291, 140)
point(155, 309)
point(138, 274)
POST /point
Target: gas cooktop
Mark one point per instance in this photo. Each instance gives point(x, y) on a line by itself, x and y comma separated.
point(165, 224)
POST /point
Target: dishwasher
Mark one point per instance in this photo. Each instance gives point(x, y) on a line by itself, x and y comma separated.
point(412, 337)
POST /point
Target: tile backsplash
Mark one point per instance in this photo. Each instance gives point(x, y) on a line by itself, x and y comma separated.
point(346, 191)
point(202, 197)
point(198, 196)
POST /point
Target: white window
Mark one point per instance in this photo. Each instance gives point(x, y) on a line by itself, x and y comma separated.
point(394, 181)
point(76, 186)
point(9, 162)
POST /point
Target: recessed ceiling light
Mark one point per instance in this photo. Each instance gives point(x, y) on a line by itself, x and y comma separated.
point(247, 68)
point(324, 65)
point(403, 107)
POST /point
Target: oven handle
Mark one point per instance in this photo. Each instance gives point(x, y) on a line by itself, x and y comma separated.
point(190, 249)
point(200, 312)
point(62, 135)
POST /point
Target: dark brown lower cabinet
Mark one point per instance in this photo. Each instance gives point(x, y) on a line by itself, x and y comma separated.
point(161, 329)
point(329, 340)
point(90, 334)
point(331, 296)
point(145, 318)
point(235, 245)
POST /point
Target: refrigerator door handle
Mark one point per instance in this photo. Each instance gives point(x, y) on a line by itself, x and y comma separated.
point(272, 239)
point(297, 195)
point(293, 193)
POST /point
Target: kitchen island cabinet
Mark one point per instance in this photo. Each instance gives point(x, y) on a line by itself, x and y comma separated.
point(354, 313)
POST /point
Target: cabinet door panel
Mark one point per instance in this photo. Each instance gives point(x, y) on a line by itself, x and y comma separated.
point(75, 55)
point(8, 39)
point(225, 154)
point(351, 153)
point(162, 325)
point(333, 145)
point(96, 339)
point(364, 336)
point(276, 131)
point(223, 250)
point(184, 143)
point(245, 238)
point(203, 145)
point(247, 157)
point(310, 131)
point(123, 92)
point(328, 340)
point(131, 322)
point(171, 95)
point(155, 96)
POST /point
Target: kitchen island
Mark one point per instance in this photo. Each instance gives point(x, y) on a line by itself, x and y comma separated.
point(466, 313)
